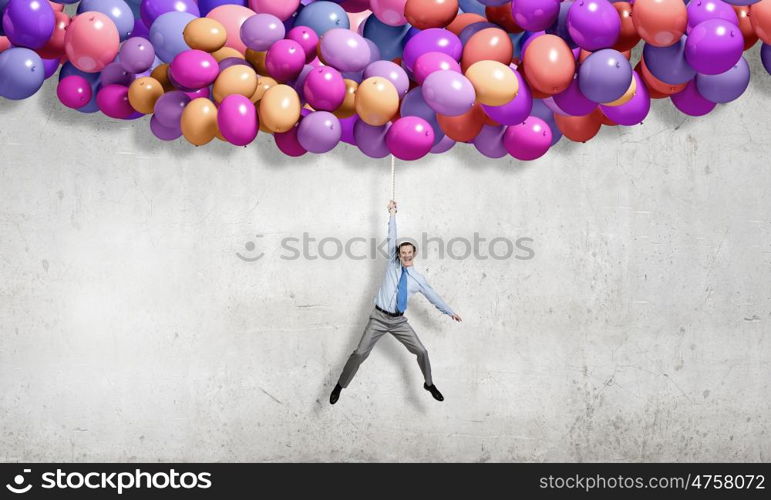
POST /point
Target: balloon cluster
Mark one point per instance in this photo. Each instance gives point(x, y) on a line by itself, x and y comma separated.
point(401, 77)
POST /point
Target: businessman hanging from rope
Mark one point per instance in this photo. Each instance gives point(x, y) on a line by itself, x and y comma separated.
point(401, 280)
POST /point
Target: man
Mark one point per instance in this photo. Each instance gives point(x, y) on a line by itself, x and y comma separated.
point(401, 281)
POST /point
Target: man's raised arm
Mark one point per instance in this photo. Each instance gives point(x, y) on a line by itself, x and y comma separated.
point(392, 230)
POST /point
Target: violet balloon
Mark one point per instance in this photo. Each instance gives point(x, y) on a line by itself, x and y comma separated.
point(713, 46)
point(445, 144)
point(726, 86)
point(489, 141)
point(237, 120)
point(324, 88)
point(516, 110)
point(594, 24)
point(690, 102)
point(448, 93)
point(604, 76)
point(668, 64)
point(150, 10)
point(168, 108)
point(391, 72)
point(28, 23)
point(163, 132)
point(701, 10)
point(765, 57)
point(535, 15)
point(261, 31)
point(410, 138)
point(371, 139)
point(573, 102)
point(115, 74)
point(635, 110)
point(346, 129)
point(431, 40)
point(21, 73)
point(136, 55)
point(345, 50)
point(319, 132)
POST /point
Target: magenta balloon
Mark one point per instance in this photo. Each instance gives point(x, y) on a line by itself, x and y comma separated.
point(163, 132)
point(448, 93)
point(714, 46)
point(535, 15)
point(701, 10)
point(237, 120)
point(690, 102)
point(308, 40)
point(194, 69)
point(516, 110)
point(431, 40)
point(573, 102)
point(345, 50)
point(391, 72)
point(113, 101)
point(594, 24)
point(284, 60)
point(74, 91)
point(528, 140)
point(410, 138)
point(433, 61)
point(635, 110)
point(195, 94)
point(489, 141)
point(324, 88)
point(371, 139)
point(288, 144)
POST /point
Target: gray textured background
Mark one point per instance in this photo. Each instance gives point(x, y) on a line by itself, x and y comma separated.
point(131, 331)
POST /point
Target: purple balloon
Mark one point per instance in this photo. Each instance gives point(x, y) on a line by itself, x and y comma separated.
point(633, 111)
point(727, 86)
point(237, 120)
point(690, 102)
point(319, 132)
point(765, 57)
point(193, 69)
point(136, 55)
point(150, 10)
point(374, 51)
point(668, 64)
point(410, 138)
point(391, 72)
point(535, 15)
point(371, 139)
point(445, 144)
point(433, 61)
point(345, 50)
point(324, 88)
point(346, 129)
point(489, 141)
point(49, 67)
point(604, 76)
point(573, 102)
point(714, 46)
point(140, 29)
point(528, 140)
point(21, 73)
point(594, 24)
point(516, 110)
point(701, 10)
point(231, 61)
point(448, 93)
point(163, 132)
point(261, 31)
point(115, 74)
point(431, 40)
point(741, 2)
point(308, 40)
point(168, 108)
point(29, 23)
point(285, 60)
point(413, 104)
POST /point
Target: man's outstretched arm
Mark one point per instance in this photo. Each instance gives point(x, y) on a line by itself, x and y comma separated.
point(392, 230)
point(435, 299)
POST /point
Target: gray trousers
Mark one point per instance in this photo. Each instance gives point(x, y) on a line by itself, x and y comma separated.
point(379, 324)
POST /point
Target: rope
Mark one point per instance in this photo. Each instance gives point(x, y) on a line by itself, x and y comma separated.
point(393, 178)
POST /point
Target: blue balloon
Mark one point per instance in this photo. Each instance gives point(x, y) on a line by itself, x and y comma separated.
point(472, 6)
point(765, 57)
point(166, 34)
point(117, 10)
point(68, 69)
point(21, 73)
point(389, 39)
point(205, 6)
point(322, 17)
point(474, 28)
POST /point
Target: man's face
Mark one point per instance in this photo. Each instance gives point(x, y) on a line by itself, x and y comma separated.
point(406, 255)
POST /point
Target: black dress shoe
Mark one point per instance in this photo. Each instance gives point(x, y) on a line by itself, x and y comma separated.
point(434, 391)
point(336, 394)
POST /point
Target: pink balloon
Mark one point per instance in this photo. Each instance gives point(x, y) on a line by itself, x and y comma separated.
point(113, 101)
point(74, 91)
point(410, 138)
point(237, 120)
point(390, 12)
point(194, 69)
point(528, 140)
point(232, 17)
point(195, 94)
point(308, 40)
point(433, 61)
point(324, 88)
point(282, 9)
point(91, 41)
point(284, 60)
point(288, 143)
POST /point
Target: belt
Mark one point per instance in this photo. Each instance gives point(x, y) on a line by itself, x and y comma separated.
point(393, 315)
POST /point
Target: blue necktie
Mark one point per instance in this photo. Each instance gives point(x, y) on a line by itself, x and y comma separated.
point(401, 294)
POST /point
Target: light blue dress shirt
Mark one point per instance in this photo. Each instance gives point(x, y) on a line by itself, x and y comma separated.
point(386, 296)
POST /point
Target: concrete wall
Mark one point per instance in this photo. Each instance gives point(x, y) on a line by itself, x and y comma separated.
point(130, 329)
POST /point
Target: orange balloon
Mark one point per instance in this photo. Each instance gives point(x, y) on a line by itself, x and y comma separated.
point(495, 83)
point(549, 64)
point(579, 128)
point(257, 60)
point(488, 44)
point(205, 34)
point(377, 101)
point(660, 23)
point(760, 16)
point(745, 25)
point(348, 107)
point(425, 14)
point(143, 92)
point(654, 83)
point(238, 79)
point(161, 73)
point(465, 127)
point(628, 37)
point(226, 52)
point(463, 20)
point(199, 121)
point(263, 84)
point(280, 108)
point(502, 16)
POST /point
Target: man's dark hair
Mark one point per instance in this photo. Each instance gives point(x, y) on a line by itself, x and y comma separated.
point(399, 248)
